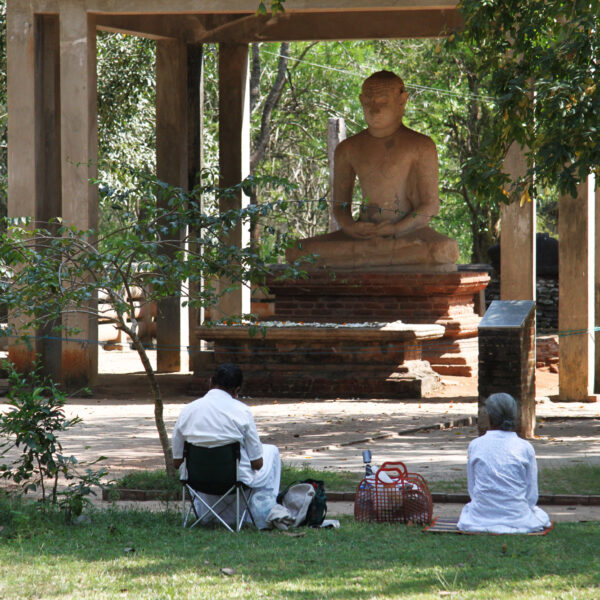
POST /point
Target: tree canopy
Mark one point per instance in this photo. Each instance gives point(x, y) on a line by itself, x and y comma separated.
point(544, 61)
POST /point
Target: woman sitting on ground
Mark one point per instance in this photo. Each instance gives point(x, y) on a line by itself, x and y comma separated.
point(502, 477)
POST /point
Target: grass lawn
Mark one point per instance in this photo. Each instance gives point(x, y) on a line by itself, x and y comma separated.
point(572, 479)
point(130, 554)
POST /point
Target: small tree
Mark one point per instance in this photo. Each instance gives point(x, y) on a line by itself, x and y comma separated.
point(30, 430)
point(164, 240)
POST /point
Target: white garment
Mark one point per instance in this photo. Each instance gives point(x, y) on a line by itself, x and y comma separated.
point(217, 419)
point(502, 478)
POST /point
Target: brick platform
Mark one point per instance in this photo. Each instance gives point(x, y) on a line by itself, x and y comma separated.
point(428, 298)
point(324, 362)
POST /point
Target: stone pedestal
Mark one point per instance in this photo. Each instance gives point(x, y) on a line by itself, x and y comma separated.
point(306, 361)
point(445, 299)
point(507, 360)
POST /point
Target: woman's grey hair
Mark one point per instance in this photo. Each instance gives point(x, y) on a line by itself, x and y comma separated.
point(502, 411)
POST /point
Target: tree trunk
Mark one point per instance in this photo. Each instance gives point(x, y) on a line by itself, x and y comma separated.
point(158, 402)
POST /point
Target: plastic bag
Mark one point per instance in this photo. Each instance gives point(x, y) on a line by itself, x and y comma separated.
point(261, 503)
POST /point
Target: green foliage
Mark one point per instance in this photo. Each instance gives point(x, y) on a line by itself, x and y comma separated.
point(63, 270)
point(19, 517)
point(3, 113)
point(31, 425)
point(126, 105)
point(30, 428)
point(276, 7)
point(544, 57)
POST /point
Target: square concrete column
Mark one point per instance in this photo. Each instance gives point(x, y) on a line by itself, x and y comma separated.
point(517, 237)
point(78, 133)
point(576, 293)
point(172, 168)
point(195, 64)
point(48, 161)
point(21, 41)
point(597, 299)
point(234, 157)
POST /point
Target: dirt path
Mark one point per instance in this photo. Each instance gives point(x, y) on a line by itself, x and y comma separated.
point(118, 423)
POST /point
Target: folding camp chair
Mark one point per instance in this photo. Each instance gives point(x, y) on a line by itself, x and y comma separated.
point(214, 471)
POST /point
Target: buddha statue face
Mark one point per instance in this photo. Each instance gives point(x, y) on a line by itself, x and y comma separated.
point(383, 100)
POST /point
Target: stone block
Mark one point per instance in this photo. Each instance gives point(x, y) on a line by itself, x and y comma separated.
point(307, 361)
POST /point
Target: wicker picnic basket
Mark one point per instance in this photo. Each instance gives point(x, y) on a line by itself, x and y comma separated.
point(393, 495)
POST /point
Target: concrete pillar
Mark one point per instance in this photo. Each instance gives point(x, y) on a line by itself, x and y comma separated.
point(517, 237)
point(576, 293)
point(171, 167)
point(48, 160)
point(336, 132)
point(78, 134)
point(20, 49)
point(234, 156)
point(597, 299)
point(195, 166)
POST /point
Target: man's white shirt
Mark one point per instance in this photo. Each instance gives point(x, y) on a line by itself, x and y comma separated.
point(214, 420)
point(217, 419)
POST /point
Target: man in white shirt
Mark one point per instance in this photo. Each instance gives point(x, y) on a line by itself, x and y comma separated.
point(219, 418)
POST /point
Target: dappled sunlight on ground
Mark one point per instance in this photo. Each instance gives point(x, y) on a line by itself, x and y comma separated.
point(118, 422)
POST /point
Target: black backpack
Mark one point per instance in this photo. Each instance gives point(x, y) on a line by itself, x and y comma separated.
point(317, 509)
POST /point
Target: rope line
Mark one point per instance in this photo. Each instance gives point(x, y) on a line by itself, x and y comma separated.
point(371, 67)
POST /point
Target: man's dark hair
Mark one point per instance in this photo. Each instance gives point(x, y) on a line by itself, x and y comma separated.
point(228, 377)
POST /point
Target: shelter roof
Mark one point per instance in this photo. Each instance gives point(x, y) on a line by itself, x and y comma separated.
point(236, 21)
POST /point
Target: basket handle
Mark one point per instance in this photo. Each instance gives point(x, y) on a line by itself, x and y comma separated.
point(394, 470)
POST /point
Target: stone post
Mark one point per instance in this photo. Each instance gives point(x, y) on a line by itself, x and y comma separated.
point(48, 161)
point(517, 237)
point(597, 287)
point(234, 157)
point(172, 168)
point(20, 44)
point(336, 132)
point(78, 135)
point(576, 293)
point(507, 360)
point(195, 166)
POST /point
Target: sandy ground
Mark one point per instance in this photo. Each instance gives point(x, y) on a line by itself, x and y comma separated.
point(118, 423)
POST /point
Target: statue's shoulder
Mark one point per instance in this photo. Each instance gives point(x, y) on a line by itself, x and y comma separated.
point(356, 139)
point(351, 145)
point(416, 137)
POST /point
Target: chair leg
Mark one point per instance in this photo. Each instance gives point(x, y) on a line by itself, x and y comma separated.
point(209, 508)
point(246, 501)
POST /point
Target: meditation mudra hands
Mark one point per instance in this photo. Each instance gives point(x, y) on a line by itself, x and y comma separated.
point(364, 230)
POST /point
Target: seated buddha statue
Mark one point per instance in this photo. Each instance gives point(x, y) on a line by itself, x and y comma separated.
point(397, 169)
